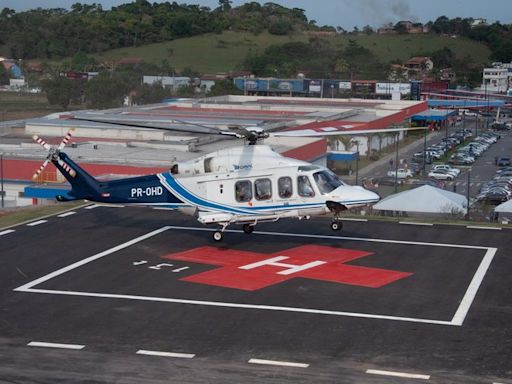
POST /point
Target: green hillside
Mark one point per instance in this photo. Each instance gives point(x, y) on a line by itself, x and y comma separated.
point(212, 53)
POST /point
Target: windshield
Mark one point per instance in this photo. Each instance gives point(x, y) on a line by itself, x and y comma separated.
point(326, 181)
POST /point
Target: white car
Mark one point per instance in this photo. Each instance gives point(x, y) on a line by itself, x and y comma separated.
point(402, 173)
point(440, 174)
point(454, 171)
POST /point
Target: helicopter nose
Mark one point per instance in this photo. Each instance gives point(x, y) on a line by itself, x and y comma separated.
point(372, 196)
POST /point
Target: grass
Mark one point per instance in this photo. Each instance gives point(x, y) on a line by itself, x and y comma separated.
point(11, 217)
point(210, 53)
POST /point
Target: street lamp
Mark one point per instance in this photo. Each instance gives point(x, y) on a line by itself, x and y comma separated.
point(467, 194)
point(396, 164)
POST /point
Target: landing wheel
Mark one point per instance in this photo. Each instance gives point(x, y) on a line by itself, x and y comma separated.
point(336, 225)
point(248, 228)
point(218, 236)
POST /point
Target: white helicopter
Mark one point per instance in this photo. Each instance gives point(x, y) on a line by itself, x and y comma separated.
point(242, 185)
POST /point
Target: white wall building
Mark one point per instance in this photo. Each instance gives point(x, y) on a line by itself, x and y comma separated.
point(496, 79)
point(173, 82)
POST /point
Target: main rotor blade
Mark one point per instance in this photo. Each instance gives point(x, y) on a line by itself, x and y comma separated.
point(65, 140)
point(40, 169)
point(332, 131)
point(196, 128)
point(41, 142)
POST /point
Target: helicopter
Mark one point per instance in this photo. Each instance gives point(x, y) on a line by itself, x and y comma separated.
point(244, 185)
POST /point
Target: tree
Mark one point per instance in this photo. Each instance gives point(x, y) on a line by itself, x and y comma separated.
point(224, 87)
point(59, 91)
point(105, 91)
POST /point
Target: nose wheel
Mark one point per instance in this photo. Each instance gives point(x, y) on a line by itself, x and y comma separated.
point(218, 236)
point(337, 225)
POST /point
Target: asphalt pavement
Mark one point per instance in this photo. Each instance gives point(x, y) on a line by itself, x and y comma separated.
point(131, 295)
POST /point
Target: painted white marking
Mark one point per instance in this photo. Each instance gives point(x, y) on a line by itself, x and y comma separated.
point(89, 259)
point(67, 214)
point(397, 374)
point(351, 219)
point(165, 354)
point(456, 321)
point(415, 223)
point(92, 206)
point(34, 223)
point(482, 227)
point(55, 345)
point(275, 262)
point(469, 296)
point(139, 262)
point(159, 266)
point(105, 205)
point(279, 363)
point(6, 232)
point(180, 269)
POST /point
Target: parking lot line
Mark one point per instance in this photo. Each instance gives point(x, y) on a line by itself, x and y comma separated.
point(55, 345)
point(482, 227)
point(165, 354)
point(6, 232)
point(397, 374)
point(279, 363)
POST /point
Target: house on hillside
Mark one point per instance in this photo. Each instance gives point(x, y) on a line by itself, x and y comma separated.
point(398, 72)
point(419, 64)
point(478, 22)
point(172, 82)
point(447, 74)
point(12, 67)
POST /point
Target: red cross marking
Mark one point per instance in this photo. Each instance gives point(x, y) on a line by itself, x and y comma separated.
point(251, 271)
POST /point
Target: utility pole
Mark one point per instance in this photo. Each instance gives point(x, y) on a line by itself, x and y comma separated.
point(2, 178)
point(357, 163)
point(467, 194)
point(396, 164)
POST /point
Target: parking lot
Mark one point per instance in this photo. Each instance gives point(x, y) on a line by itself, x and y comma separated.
point(139, 291)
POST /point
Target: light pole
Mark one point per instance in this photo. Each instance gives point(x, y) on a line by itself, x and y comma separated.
point(332, 91)
point(357, 163)
point(467, 194)
point(396, 164)
point(2, 178)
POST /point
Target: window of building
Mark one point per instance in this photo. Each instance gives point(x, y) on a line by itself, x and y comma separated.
point(263, 189)
point(285, 187)
point(304, 187)
point(243, 191)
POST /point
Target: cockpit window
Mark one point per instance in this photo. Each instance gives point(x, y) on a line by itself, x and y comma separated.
point(304, 187)
point(326, 181)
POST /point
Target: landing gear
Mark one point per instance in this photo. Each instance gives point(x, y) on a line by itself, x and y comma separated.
point(337, 225)
point(248, 228)
point(218, 236)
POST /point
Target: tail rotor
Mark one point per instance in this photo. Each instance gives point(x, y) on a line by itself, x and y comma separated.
point(53, 154)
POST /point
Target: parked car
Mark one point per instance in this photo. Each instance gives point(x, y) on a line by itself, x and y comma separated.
point(387, 180)
point(447, 167)
point(401, 172)
point(441, 174)
point(503, 162)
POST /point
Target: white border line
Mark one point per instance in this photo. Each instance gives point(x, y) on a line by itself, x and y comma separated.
point(55, 345)
point(165, 354)
point(415, 223)
point(397, 374)
point(457, 320)
point(34, 223)
point(67, 214)
point(482, 227)
point(6, 232)
point(279, 363)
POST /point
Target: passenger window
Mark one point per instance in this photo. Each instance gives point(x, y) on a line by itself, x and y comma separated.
point(263, 189)
point(304, 187)
point(285, 187)
point(243, 191)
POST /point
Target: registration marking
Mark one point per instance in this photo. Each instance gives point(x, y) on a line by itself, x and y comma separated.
point(55, 345)
point(279, 363)
point(166, 354)
point(398, 374)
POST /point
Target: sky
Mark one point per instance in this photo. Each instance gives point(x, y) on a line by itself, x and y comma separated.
point(344, 13)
